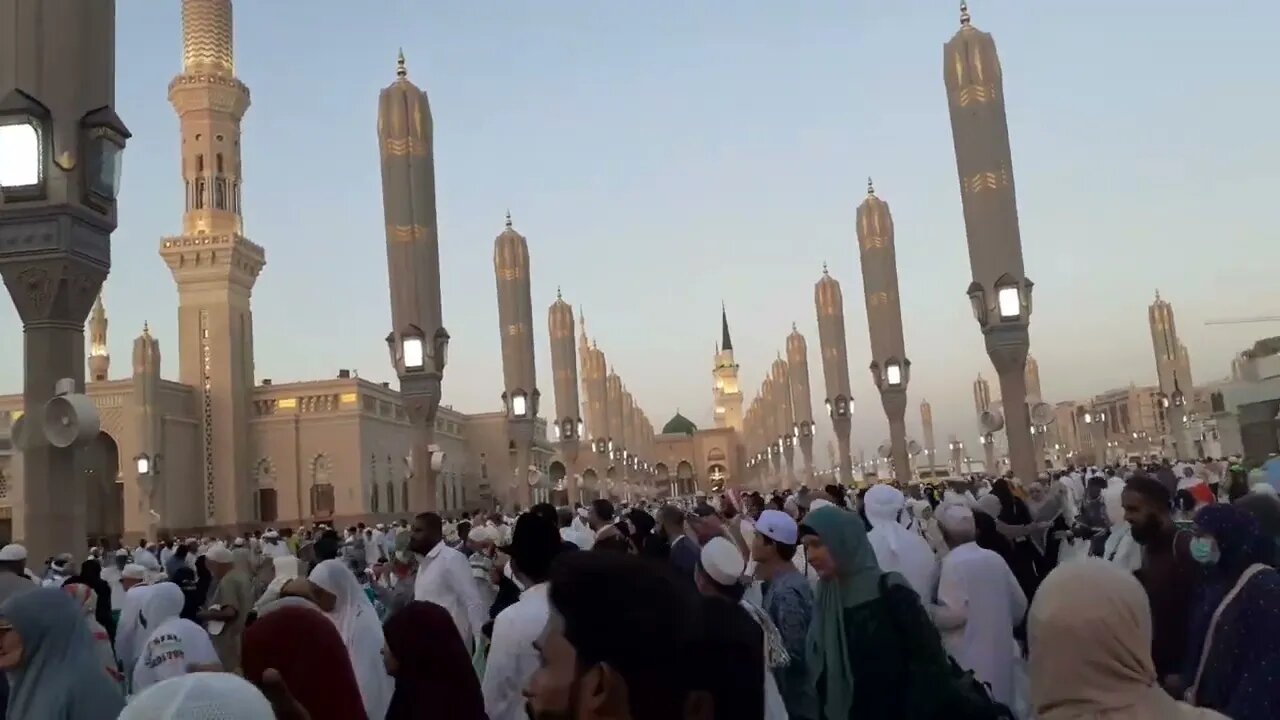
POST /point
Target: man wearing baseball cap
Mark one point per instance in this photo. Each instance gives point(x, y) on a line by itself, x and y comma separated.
point(788, 599)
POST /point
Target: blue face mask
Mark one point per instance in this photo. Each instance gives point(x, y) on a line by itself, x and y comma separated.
point(1204, 550)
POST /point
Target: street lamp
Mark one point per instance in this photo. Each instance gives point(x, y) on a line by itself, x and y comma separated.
point(147, 465)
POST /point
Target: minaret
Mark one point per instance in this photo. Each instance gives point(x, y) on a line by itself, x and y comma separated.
point(890, 368)
point(149, 493)
point(999, 292)
point(584, 373)
point(981, 395)
point(801, 398)
point(598, 408)
point(617, 443)
point(1165, 345)
point(981, 404)
point(515, 326)
point(99, 358)
point(726, 393)
point(771, 404)
point(213, 264)
point(564, 369)
point(926, 425)
point(786, 422)
point(829, 302)
point(405, 151)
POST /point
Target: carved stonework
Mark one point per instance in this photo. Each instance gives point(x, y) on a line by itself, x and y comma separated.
point(53, 289)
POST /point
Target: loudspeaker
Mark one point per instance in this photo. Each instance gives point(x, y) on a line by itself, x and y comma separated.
point(991, 420)
point(71, 420)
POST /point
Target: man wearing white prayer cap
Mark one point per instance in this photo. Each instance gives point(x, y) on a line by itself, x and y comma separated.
point(979, 603)
point(897, 548)
point(13, 572)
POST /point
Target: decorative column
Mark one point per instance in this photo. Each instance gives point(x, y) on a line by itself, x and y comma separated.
point(890, 368)
point(801, 398)
point(786, 419)
point(1000, 293)
point(568, 427)
point(776, 429)
point(59, 177)
point(988, 422)
point(926, 424)
point(515, 326)
point(617, 426)
point(829, 302)
point(418, 342)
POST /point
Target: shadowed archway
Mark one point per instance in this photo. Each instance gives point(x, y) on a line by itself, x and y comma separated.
point(103, 489)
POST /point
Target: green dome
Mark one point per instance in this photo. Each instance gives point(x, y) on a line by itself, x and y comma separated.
point(679, 425)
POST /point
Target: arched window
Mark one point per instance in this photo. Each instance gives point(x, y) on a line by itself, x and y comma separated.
point(404, 495)
point(373, 497)
point(322, 498)
point(391, 497)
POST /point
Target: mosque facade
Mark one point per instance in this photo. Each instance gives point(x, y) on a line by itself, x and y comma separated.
point(228, 450)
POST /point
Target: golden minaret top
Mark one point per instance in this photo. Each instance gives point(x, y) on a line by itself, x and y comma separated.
point(401, 70)
point(964, 14)
point(206, 37)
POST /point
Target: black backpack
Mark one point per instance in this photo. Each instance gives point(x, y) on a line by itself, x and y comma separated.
point(965, 697)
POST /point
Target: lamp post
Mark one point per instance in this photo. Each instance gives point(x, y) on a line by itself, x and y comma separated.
point(568, 428)
point(890, 368)
point(61, 148)
point(829, 302)
point(957, 455)
point(418, 344)
point(1000, 292)
point(988, 443)
point(147, 468)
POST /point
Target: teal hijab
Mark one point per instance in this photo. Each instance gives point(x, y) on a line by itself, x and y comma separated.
point(857, 581)
point(60, 676)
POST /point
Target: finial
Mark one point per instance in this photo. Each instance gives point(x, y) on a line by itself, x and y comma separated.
point(793, 326)
point(964, 14)
point(558, 296)
point(871, 189)
point(401, 71)
point(824, 267)
point(146, 329)
point(508, 219)
point(1157, 294)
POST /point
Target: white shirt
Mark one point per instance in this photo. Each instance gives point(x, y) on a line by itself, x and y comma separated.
point(275, 549)
point(170, 651)
point(444, 578)
point(512, 657)
point(979, 603)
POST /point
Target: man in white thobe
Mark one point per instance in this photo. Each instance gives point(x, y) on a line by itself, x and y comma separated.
point(979, 603)
point(444, 578)
point(897, 548)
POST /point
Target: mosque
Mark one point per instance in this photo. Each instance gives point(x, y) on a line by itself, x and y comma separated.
point(220, 448)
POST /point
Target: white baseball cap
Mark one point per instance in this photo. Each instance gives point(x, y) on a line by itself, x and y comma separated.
point(778, 527)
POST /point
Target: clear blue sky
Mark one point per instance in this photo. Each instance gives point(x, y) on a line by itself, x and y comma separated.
point(660, 160)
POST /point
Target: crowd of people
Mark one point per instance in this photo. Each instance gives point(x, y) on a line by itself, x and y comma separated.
point(1119, 593)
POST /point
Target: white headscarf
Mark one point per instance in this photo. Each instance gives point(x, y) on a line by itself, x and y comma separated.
point(1120, 547)
point(361, 632)
point(287, 567)
point(897, 548)
point(200, 696)
point(130, 633)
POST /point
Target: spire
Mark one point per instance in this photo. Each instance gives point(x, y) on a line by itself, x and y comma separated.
point(871, 188)
point(964, 14)
point(508, 219)
point(824, 267)
point(558, 295)
point(146, 329)
point(726, 343)
point(1157, 294)
point(793, 326)
point(401, 70)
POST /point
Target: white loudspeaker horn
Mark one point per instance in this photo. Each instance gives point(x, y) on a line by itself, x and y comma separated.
point(991, 420)
point(1042, 413)
point(71, 420)
point(437, 458)
point(885, 449)
point(18, 433)
point(913, 447)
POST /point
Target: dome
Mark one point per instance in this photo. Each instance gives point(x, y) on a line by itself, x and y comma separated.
point(679, 425)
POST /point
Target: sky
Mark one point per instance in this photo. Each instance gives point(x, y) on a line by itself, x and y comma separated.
point(664, 157)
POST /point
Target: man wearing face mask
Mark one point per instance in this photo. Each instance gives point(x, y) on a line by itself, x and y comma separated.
point(1169, 572)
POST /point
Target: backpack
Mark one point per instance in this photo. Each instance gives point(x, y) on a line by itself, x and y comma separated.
point(964, 696)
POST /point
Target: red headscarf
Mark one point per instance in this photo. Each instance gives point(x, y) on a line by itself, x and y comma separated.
point(305, 648)
point(435, 677)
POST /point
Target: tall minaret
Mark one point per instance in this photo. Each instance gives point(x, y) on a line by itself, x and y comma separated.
point(981, 395)
point(617, 427)
point(726, 393)
point(801, 398)
point(1169, 352)
point(515, 325)
point(147, 495)
point(99, 358)
point(890, 368)
point(828, 300)
point(564, 370)
point(213, 264)
point(584, 375)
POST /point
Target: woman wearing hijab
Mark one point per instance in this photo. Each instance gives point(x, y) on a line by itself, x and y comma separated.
point(872, 651)
point(1110, 677)
point(91, 574)
point(1046, 505)
point(202, 696)
point(335, 589)
point(304, 647)
point(48, 656)
point(174, 645)
point(897, 548)
point(87, 600)
point(131, 632)
point(1014, 521)
point(1233, 658)
point(1265, 509)
point(432, 669)
point(287, 568)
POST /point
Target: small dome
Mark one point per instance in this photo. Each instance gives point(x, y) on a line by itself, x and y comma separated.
point(679, 425)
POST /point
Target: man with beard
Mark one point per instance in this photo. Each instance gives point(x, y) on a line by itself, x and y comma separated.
point(1168, 573)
